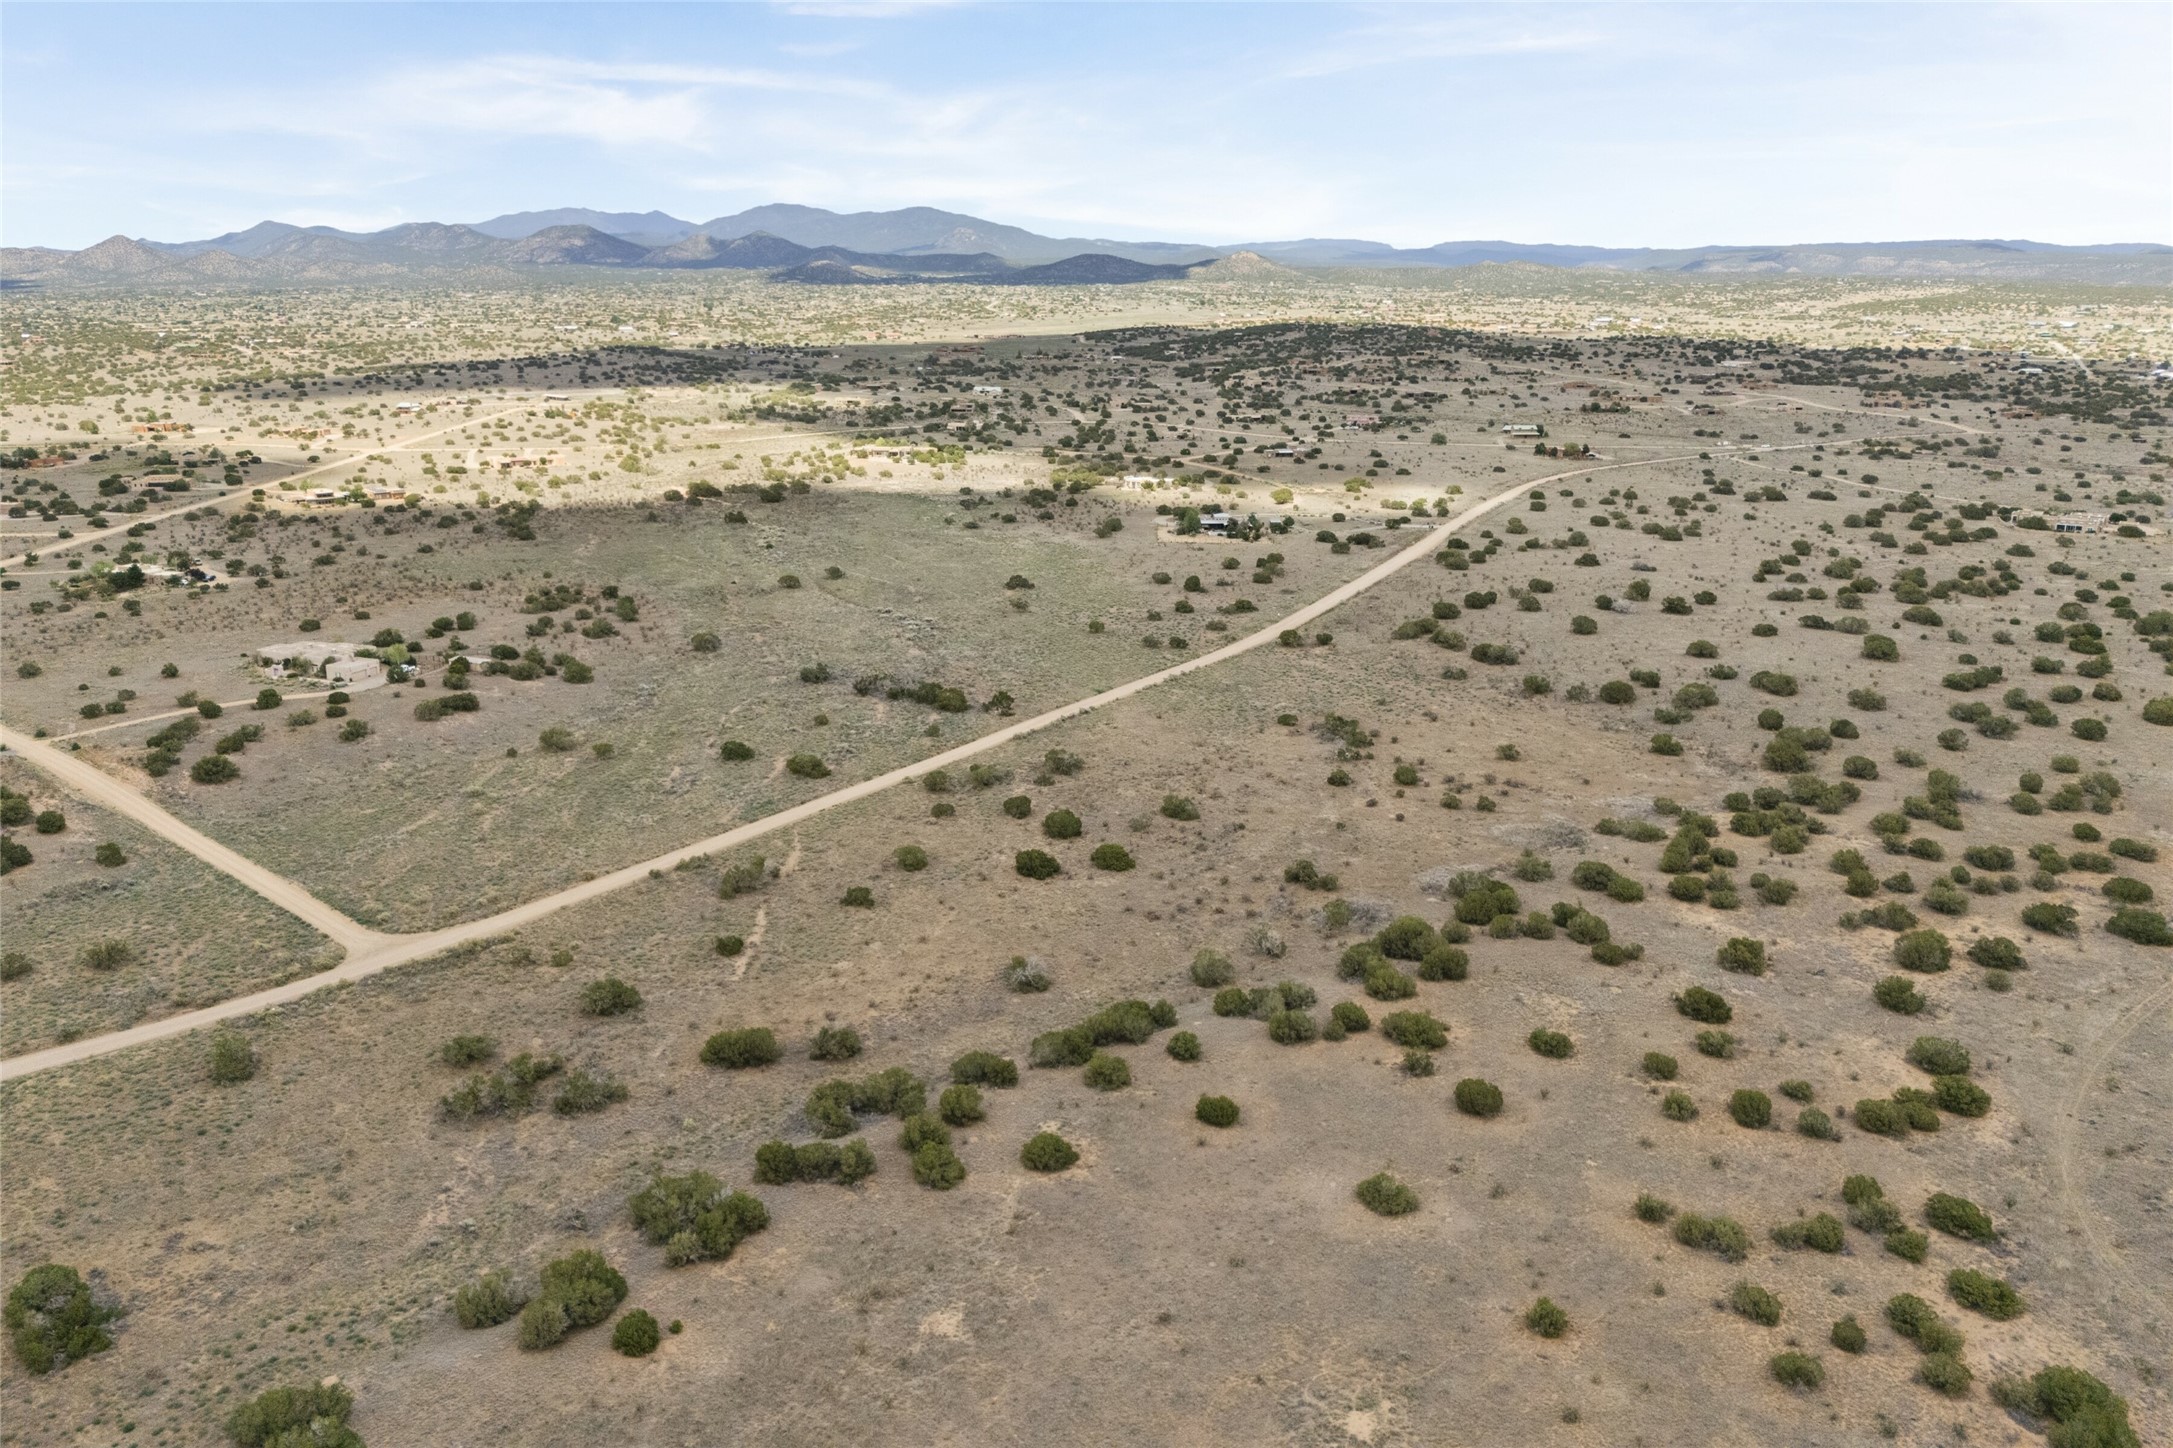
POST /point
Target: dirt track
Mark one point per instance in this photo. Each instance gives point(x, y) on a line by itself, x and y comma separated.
point(370, 951)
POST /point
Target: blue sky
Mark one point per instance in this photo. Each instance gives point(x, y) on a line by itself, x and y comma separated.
point(1618, 124)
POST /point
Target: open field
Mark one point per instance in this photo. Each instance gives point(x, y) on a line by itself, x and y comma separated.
point(1672, 691)
point(195, 936)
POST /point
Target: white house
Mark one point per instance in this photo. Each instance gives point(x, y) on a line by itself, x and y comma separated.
point(338, 665)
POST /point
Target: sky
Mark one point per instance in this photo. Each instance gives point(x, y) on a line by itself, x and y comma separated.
point(1616, 124)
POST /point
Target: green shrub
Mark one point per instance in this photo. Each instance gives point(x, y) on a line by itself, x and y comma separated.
point(1554, 1044)
point(1111, 857)
point(1385, 1196)
point(1036, 864)
point(1700, 1004)
point(1848, 1335)
point(1211, 969)
point(918, 1130)
point(487, 1301)
point(692, 1218)
point(1418, 1063)
point(937, 1167)
point(1179, 807)
point(1939, 1056)
point(960, 1105)
point(583, 1093)
point(1444, 962)
point(52, 1319)
point(1061, 824)
point(1980, 1292)
point(1881, 1118)
point(740, 1049)
point(636, 1334)
point(2049, 918)
point(609, 996)
point(807, 766)
point(834, 1043)
point(2084, 1412)
point(1184, 1046)
point(984, 1068)
point(1677, 1106)
point(1798, 1369)
point(579, 1290)
point(467, 1050)
point(1291, 1028)
point(1105, 1072)
point(1722, 1236)
point(1720, 1045)
point(2144, 927)
point(1812, 1122)
point(1415, 1030)
point(1350, 1017)
point(1546, 1319)
point(1658, 1066)
point(1754, 1302)
point(1959, 1217)
point(1997, 952)
point(1944, 1372)
point(1923, 951)
point(733, 751)
point(1047, 1152)
point(1216, 1111)
point(1386, 983)
point(232, 1060)
point(1822, 1233)
point(1744, 956)
point(1751, 1108)
point(1649, 1208)
point(1898, 994)
point(1475, 1097)
point(314, 1416)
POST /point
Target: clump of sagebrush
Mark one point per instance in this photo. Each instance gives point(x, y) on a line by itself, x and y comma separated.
point(1822, 1233)
point(960, 1105)
point(1046, 1152)
point(985, 1068)
point(1848, 1335)
point(508, 1091)
point(1754, 1302)
point(1475, 1097)
point(694, 1219)
point(937, 1167)
point(1128, 1022)
point(1025, 976)
point(487, 1301)
point(1705, 1006)
point(312, 1415)
point(834, 1043)
point(578, 1290)
point(1212, 970)
point(1722, 1236)
point(1797, 1370)
point(832, 1106)
point(1385, 1196)
point(2084, 1412)
point(1958, 1217)
point(1649, 1208)
point(636, 1334)
point(779, 1163)
point(1184, 1046)
point(1546, 1319)
point(740, 1049)
point(52, 1319)
point(1415, 1030)
point(1553, 1044)
point(609, 996)
point(1918, 1321)
point(1216, 1111)
point(1981, 1292)
point(1105, 1072)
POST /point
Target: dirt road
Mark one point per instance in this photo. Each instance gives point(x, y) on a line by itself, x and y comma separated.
point(370, 952)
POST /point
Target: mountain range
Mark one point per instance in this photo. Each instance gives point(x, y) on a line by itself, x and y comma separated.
point(806, 244)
